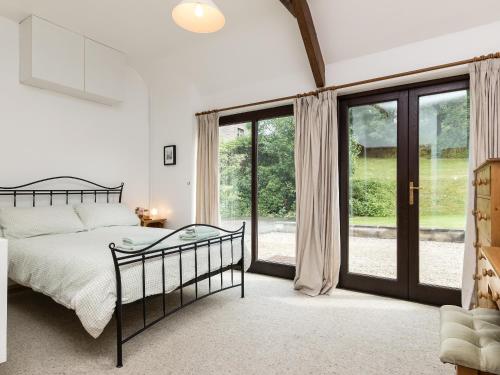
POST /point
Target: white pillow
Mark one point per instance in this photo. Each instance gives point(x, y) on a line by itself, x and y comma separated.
point(95, 215)
point(24, 222)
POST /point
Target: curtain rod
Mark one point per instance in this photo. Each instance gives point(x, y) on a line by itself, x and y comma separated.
point(358, 83)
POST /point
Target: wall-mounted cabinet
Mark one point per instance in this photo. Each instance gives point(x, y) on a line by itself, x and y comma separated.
point(103, 71)
point(58, 59)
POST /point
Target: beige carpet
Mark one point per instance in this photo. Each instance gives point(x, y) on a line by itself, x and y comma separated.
point(273, 331)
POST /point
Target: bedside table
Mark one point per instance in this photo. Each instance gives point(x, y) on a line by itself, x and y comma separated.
point(153, 223)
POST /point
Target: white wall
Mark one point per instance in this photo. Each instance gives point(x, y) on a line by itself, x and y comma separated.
point(452, 47)
point(440, 50)
point(45, 134)
point(268, 54)
point(273, 65)
point(173, 98)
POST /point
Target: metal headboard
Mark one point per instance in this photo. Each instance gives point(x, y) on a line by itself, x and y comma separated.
point(28, 190)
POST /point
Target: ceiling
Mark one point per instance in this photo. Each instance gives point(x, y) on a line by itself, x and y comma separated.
point(346, 28)
point(352, 28)
point(141, 28)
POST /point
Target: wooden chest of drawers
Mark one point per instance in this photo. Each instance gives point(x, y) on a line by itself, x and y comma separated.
point(487, 218)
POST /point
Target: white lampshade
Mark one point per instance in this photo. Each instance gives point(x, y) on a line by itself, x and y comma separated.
point(198, 16)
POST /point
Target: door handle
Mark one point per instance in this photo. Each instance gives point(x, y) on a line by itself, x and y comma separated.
point(412, 189)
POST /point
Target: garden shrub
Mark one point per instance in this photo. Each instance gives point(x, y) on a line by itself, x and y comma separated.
point(373, 198)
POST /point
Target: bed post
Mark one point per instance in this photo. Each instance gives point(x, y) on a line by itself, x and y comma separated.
point(118, 310)
point(119, 354)
point(243, 262)
point(121, 193)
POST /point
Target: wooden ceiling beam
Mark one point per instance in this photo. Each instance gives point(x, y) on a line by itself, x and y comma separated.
point(300, 10)
point(311, 42)
point(289, 5)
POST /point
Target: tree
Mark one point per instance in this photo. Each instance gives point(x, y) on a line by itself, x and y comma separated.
point(235, 175)
point(444, 126)
point(276, 167)
point(275, 171)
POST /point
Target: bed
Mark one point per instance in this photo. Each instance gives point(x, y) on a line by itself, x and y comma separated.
point(90, 272)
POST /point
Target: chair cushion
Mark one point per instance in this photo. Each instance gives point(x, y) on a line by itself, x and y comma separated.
point(471, 338)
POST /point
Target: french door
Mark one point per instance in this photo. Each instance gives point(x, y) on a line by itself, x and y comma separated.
point(403, 172)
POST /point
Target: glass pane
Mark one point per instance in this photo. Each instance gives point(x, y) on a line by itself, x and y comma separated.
point(372, 189)
point(235, 172)
point(276, 190)
point(443, 173)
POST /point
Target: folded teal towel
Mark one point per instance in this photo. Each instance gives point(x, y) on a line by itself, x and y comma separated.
point(141, 240)
point(198, 234)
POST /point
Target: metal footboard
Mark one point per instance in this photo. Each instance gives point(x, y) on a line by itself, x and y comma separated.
point(122, 258)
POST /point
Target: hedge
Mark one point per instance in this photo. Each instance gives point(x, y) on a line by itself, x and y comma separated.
point(372, 198)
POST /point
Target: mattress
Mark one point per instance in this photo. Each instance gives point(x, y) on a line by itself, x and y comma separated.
point(77, 270)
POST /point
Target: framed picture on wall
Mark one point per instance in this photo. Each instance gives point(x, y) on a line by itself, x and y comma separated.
point(169, 155)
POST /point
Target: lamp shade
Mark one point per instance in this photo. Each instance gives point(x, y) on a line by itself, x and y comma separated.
point(198, 16)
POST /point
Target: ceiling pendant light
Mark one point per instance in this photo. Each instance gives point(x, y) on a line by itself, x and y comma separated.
point(198, 16)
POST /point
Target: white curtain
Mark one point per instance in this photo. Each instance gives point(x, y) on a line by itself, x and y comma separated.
point(317, 182)
point(207, 170)
point(484, 144)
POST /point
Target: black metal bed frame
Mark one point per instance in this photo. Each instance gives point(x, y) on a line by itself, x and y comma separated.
point(21, 191)
point(123, 258)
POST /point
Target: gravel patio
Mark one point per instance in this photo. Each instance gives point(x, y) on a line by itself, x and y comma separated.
point(440, 262)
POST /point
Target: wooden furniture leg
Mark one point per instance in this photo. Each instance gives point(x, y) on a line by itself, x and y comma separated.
point(466, 371)
point(470, 371)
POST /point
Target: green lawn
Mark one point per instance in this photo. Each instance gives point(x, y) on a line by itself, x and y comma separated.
point(385, 168)
point(438, 221)
point(443, 198)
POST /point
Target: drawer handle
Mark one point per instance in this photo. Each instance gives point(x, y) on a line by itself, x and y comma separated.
point(481, 294)
point(477, 276)
point(489, 273)
point(480, 181)
point(479, 215)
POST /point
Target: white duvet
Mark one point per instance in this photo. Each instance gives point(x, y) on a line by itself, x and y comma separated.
point(77, 269)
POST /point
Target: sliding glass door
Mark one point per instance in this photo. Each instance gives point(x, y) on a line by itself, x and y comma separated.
point(404, 157)
point(257, 185)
